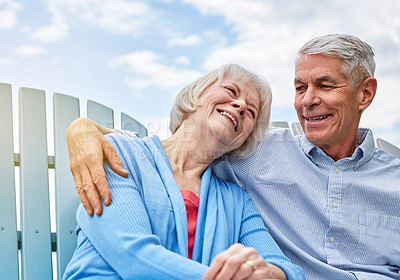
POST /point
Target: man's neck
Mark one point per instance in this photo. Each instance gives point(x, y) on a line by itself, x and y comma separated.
point(340, 152)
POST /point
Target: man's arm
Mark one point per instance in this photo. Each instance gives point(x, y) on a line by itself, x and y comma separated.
point(87, 149)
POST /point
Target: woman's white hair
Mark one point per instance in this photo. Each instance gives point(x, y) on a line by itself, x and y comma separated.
point(186, 101)
point(358, 56)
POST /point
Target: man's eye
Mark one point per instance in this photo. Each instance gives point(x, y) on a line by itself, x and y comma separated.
point(326, 86)
point(300, 89)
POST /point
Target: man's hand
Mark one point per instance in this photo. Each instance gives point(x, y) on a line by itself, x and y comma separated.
point(240, 262)
point(87, 149)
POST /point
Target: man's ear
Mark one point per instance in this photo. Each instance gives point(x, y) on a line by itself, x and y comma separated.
point(367, 92)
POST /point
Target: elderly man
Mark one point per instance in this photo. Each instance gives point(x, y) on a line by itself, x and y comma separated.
point(330, 198)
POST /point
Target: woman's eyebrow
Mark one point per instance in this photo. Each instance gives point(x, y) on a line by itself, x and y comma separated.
point(236, 86)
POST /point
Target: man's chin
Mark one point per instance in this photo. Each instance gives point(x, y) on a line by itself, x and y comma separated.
point(316, 137)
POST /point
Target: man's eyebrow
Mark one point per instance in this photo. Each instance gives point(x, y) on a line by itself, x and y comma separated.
point(326, 79)
point(297, 81)
point(318, 80)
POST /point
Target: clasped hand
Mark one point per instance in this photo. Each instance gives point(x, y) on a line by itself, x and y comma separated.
point(240, 262)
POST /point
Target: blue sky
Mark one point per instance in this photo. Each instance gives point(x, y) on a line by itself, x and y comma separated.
point(134, 56)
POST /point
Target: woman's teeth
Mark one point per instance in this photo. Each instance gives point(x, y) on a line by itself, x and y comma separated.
point(229, 116)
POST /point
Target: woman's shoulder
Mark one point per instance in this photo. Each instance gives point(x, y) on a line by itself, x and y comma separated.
point(134, 148)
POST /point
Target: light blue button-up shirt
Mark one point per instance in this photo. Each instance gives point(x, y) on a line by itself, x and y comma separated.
point(337, 220)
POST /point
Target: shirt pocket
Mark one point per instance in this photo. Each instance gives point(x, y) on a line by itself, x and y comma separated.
point(378, 240)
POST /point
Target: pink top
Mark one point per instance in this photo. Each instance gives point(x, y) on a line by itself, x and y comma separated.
point(192, 206)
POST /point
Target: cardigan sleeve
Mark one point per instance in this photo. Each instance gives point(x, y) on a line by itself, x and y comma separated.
point(253, 233)
point(123, 237)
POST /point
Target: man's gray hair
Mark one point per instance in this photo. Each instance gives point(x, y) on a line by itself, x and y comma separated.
point(358, 56)
point(186, 101)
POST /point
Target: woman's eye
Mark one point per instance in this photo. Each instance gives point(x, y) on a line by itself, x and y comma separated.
point(252, 113)
point(232, 90)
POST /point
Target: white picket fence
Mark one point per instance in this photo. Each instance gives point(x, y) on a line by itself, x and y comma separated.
point(28, 252)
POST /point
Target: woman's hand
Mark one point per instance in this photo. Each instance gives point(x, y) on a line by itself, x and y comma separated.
point(87, 149)
point(240, 262)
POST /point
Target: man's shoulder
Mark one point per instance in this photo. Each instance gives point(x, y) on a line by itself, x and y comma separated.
point(279, 132)
point(386, 158)
point(278, 137)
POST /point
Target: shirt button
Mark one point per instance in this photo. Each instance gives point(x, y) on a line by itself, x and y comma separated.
point(336, 170)
point(332, 239)
point(362, 277)
point(335, 204)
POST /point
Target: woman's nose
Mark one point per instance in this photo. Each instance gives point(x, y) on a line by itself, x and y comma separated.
point(240, 105)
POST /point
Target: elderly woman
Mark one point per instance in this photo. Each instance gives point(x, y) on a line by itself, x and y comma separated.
point(172, 218)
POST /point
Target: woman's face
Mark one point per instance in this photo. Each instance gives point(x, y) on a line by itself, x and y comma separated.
point(228, 111)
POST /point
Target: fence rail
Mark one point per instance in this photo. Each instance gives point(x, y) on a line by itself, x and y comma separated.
point(35, 242)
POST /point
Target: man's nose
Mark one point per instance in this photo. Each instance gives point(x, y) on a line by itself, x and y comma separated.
point(311, 97)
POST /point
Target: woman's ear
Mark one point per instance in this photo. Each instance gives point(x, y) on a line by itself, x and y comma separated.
point(367, 92)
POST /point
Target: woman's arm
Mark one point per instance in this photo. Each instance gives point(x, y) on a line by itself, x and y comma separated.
point(257, 257)
point(123, 236)
point(87, 149)
point(255, 234)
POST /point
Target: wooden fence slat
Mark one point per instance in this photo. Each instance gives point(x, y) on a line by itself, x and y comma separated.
point(100, 113)
point(8, 217)
point(65, 110)
point(129, 123)
point(281, 124)
point(297, 129)
point(36, 260)
point(35, 240)
point(388, 147)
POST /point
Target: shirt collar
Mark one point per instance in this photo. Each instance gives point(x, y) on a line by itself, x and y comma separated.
point(362, 154)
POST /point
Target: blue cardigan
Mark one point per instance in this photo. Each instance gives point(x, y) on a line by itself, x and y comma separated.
point(143, 233)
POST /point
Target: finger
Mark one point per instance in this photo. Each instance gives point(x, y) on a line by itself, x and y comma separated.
point(112, 158)
point(100, 181)
point(244, 272)
point(82, 194)
point(91, 191)
point(238, 254)
point(215, 267)
point(230, 267)
point(229, 261)
point(257, 267)
point(219, 261)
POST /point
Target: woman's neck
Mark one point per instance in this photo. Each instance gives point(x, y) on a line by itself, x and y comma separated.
point(189, 156)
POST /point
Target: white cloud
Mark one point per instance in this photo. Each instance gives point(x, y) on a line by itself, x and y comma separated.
point(51, 33)
point(8, 13)
point(149, 69)
point(29, 50)
point(182, 60)
point(116, 16)
point(190, 40)
point(5, 61)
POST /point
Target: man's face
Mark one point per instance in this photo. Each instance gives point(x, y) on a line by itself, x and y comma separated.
point(327, 106)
